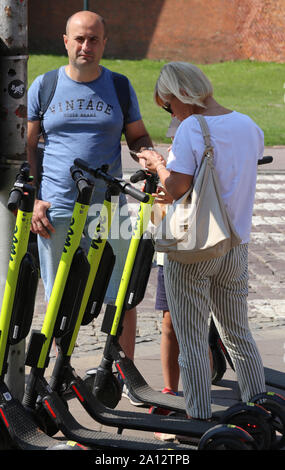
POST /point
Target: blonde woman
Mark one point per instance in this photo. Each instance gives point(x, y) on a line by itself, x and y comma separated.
point(219, 284)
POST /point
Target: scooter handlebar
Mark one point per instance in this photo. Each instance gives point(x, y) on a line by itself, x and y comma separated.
point(20, 188)
point(101, 173)
point(264, 160)
point(139, 175)
point(135, 193)
point(14, 200)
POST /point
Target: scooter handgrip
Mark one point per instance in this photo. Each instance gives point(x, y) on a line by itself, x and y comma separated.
point(138, 176)
point(14, 200)
point(82, 184)
point(135, 193)
point(81, 164)
point(264, 160)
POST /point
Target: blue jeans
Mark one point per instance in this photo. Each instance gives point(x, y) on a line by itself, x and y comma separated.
point(50, 249)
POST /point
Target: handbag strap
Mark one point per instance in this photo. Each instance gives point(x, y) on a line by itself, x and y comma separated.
point(209, 150)
point(206, 134)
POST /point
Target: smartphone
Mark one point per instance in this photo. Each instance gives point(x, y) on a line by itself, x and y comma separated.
point(133, 153)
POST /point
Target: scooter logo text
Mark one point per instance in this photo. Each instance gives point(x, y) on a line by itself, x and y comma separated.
point(14, 244)
point(69, 235)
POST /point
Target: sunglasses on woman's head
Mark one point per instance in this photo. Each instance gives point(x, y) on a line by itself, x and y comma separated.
point(167, 108)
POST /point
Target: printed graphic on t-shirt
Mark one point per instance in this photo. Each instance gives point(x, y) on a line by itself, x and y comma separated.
point(81, 107)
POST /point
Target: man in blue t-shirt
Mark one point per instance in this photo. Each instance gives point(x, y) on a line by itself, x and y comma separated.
point(85, 120)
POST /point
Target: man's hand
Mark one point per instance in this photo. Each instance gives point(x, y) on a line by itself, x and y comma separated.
point(40, 223)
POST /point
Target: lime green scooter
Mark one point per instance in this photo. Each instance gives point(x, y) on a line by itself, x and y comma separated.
point(18, 430)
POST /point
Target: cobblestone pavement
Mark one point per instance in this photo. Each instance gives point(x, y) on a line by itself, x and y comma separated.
point(266, 273)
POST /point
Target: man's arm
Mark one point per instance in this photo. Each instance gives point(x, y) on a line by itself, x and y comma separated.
point(138, 138)
point(40, 223)
point(33, 134)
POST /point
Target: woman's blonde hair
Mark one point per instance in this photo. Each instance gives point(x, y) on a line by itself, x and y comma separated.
point(185, 81)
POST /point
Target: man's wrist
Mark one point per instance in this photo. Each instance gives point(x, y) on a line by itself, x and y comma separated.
point(146, 148)
point(160, 166)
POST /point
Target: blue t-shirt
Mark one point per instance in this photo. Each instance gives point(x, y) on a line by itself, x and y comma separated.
point(84, 120)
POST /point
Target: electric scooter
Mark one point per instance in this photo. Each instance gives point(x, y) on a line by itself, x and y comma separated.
point(221, 357)
point(61, 322)
point(18, 430)
point(104, 378)
point(273, 378)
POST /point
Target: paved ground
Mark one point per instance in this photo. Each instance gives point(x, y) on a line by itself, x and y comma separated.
point(266, 297)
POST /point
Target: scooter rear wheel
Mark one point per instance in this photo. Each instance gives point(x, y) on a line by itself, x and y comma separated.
point(254, 425)
point(275, 404)
point(227, 437)
point(5, 440)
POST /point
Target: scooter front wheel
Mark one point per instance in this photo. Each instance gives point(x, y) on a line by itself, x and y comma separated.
point(105, 387)
point(44, 420)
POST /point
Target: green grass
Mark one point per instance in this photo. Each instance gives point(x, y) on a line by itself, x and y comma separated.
point(253, 88)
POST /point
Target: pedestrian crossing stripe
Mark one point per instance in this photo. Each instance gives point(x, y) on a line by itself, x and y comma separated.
point(262, 238)
point(266, 195)
point(271, 177)
point(270, 206)
point(263, 220)
point(276, 186)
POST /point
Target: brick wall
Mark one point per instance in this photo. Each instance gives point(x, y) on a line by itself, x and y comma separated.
point(196, 30)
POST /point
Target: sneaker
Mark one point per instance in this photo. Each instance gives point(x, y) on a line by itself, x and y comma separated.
point(162, 436)
point(163, 411)
point(127, 394)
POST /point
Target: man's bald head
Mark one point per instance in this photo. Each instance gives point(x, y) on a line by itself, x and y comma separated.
point(86, 15)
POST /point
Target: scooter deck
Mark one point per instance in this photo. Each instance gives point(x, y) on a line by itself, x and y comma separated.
point(140, 389)
point(22, 431)
point(275, 378)
point(141, 421)
point(68, 425)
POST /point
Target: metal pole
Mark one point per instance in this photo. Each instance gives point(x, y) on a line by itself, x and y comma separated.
point(86, 5)
point(13, 130)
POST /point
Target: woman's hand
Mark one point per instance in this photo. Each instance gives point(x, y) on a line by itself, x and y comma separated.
point(162, 196)
point(152, 159)
point(175, 183)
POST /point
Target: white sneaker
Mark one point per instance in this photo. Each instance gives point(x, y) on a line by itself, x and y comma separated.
point(127, 394)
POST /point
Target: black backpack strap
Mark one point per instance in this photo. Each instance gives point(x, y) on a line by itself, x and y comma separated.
point(121, 84)
point(46, 91)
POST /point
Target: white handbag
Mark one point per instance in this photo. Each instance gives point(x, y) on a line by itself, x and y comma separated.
point(197, 226)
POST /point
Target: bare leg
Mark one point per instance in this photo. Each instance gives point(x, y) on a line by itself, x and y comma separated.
point(128, 337)
point(169, 354)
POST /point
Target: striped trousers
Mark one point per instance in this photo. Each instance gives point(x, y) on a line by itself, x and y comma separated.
point(219, 285)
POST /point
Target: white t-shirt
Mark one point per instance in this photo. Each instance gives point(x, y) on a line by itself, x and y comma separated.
point(238, 143)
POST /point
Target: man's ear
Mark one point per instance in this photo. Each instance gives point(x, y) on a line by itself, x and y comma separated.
point(65, 39)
